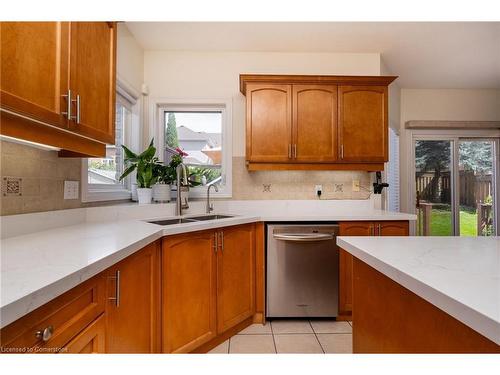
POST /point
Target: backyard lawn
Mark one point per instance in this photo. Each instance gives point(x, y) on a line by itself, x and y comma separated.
point(441, 222)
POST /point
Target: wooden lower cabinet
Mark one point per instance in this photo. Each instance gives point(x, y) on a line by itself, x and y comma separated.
point(90, 340)
point(133, 303)
point(189, 288)
point(61, 319)
point(360, 228)
point(208, 285)
point(235, 276)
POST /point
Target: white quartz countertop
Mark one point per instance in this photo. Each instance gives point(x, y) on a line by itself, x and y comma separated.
point(459, 275)
point(46, 254)
point(36, 268)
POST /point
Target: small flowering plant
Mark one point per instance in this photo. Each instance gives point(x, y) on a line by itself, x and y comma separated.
point(167, 174)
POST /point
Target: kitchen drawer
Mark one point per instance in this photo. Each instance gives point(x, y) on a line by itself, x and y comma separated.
point(90, 340)
point(67, 314)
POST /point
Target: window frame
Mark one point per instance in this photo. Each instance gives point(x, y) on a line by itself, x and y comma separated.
point(158, 109)
point(102, 192)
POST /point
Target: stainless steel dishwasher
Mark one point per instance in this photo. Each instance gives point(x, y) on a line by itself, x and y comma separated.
point(302, 270)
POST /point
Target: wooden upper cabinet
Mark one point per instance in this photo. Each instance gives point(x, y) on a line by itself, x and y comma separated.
point(133, 321)
point(363, 126)
point(93, 78)
point(269, 123)
point(189, 287)
point(314, 123)
point(34, 70)
point(58, 84)
point(235, 276)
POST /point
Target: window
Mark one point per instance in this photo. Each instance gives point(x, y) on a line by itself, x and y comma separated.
point(393, 172)
point(107, 171)
point(454, 182)
point(202, 131)
point(101, 176)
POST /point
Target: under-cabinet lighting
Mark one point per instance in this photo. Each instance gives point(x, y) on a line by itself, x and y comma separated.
point(28, 143)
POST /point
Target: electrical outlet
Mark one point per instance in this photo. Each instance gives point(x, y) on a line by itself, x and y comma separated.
point(319, 190)
point(71, 189)
point(355, 185)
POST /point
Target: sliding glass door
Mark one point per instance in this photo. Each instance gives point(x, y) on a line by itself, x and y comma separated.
point(455, 186)
point(476, 187)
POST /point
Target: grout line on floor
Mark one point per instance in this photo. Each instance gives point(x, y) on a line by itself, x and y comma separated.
point(315, 335)
point(274, 341)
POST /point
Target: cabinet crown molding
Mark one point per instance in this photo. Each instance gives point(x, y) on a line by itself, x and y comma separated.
point(314, 79)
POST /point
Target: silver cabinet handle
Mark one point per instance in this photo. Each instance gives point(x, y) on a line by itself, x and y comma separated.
point(68, 105)
point(295, 151)
point(380, 229)
point(289, 151)
point(342, 151)
point(216, 237)
point(77, 101)
point(116, 298)
point(303, 237)
point(222, 241)
point(45, 334)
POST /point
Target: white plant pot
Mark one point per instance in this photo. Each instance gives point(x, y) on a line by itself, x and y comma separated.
point(144, 195)
point(161, 193)
point(134, 192)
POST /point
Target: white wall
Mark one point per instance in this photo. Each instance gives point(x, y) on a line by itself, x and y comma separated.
point(207, 75)
point(130, 58)
point(442, 104)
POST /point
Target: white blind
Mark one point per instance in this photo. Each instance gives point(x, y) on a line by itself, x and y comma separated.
point(393, 171)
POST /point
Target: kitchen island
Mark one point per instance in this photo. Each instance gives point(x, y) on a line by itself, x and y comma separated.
point(425, 294)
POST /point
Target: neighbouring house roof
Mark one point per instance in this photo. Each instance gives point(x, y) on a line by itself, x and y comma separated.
point(186, 134)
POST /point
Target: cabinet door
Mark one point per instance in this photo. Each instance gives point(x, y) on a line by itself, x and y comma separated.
point(361, 228)
point(392, 228)
point(134, 318)
point(189, 291)
point(90, 340)
point(363, 123)
point(235, 276)
point(34, 63)
point(315, 123)
point(92, 78)
point(269, 123)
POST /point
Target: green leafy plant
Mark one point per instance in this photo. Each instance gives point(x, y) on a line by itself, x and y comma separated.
point(144, 164)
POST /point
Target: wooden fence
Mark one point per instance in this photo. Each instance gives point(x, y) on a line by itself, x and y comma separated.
point(473, 189)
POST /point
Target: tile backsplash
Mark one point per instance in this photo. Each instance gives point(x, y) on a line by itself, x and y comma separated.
point(33, 179)
point(296, 184)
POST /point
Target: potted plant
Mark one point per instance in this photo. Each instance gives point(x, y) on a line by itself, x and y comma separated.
point(162, 188)
point(143, 164)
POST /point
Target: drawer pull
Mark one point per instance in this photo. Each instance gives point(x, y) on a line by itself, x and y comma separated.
point(46, 334)
point(116, 298)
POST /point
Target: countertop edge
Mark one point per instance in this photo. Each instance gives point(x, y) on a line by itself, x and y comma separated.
point(463, 313)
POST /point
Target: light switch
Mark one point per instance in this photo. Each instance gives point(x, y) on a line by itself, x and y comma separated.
point(71, 189)
point(355, 185)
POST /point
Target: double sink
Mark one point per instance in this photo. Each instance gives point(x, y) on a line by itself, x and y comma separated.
point(191, 219)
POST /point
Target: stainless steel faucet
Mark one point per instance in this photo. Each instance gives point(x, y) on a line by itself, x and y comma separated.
point(182, 187)
point(210, 206)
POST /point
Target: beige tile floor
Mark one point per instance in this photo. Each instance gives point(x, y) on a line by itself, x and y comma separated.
point(291, 336)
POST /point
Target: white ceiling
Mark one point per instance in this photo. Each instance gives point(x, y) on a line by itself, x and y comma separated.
point(424, 55)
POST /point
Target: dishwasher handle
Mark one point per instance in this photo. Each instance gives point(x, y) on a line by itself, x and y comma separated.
point(303, 237)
